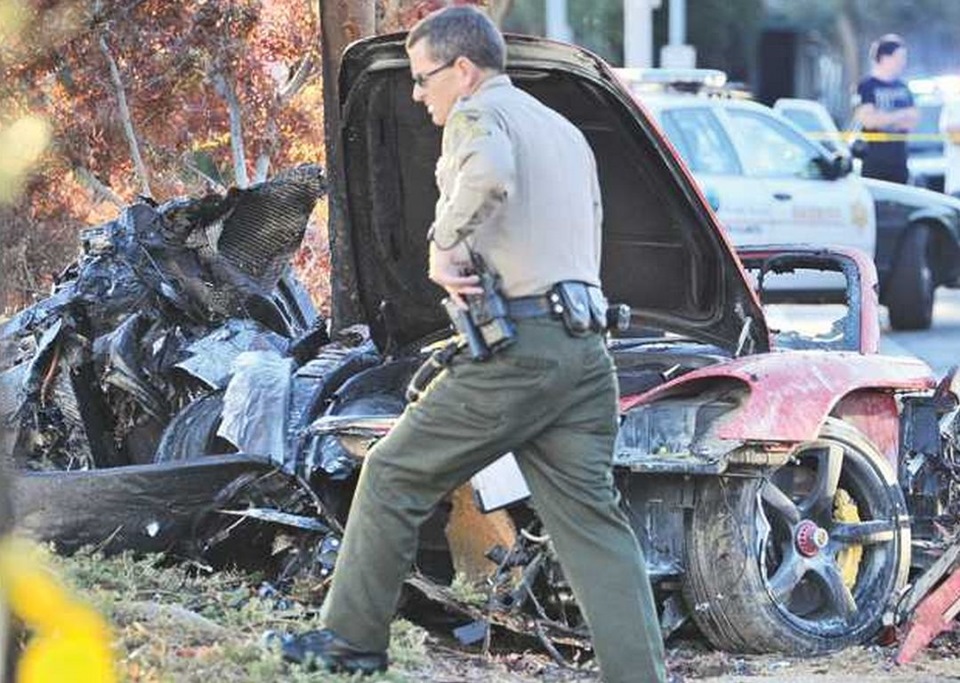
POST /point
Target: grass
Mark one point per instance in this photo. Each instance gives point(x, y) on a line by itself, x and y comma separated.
point(179, 624)
point(470, 592)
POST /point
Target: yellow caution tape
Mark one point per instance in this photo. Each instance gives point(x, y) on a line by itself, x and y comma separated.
point(70, 641)
point(851, 135)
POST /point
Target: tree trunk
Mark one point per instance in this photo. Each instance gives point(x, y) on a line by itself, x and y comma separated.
point(341, 22)
point(224, 87)
point(127, 120)
point(270, 140)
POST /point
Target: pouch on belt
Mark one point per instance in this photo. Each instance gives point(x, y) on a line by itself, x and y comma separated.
point(582, 307)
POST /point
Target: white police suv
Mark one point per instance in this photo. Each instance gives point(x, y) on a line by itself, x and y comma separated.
point(767, 181)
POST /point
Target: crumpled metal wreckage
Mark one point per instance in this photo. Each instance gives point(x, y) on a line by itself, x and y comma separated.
point(105, 386)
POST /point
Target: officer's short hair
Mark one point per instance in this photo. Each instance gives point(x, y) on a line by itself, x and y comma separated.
point(461, 31)
point(886, 45)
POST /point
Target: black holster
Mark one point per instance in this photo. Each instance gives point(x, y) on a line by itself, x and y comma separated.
point(485, 324)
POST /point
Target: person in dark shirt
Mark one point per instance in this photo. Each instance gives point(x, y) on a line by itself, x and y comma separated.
point(884, 105)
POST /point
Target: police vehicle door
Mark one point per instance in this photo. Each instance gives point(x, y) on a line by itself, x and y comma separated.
point(805, 205)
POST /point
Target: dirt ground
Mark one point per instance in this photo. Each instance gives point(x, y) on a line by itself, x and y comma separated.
point(854, 665)
point(692, 661)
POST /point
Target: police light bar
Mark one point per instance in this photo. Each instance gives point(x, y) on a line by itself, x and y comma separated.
point(687, 80)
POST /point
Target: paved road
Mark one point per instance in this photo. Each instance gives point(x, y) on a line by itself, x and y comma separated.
point(940, 345)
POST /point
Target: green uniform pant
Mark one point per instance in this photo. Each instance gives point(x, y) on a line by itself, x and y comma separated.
point(552, 400)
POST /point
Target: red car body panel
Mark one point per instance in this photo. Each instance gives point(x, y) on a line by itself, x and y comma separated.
point(790, 394)
point(876, 415)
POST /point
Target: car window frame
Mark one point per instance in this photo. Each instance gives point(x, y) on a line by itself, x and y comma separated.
point(681, 141)
point(929, 109)
point(802, 117)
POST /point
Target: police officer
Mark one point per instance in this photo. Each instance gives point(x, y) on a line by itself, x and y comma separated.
point(518, 185)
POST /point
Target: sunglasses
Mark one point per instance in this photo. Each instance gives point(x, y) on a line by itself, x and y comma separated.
point(421, 79)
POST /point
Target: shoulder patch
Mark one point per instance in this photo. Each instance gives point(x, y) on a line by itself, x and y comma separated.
point(466, 124)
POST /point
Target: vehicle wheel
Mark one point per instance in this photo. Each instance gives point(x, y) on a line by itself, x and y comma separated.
point(911, 288)
point(803, 561)
point(192, 433)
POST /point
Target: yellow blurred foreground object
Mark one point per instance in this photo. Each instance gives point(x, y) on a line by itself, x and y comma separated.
point(22, 143)
point(70, 641)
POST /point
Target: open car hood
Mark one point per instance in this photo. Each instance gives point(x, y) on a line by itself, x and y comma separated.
point(664, 252)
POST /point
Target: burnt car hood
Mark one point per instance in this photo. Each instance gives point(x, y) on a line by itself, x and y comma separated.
point(664, 252)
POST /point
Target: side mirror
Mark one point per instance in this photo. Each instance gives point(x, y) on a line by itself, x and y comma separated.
point(858, 148)
point(832, 168)
point(843, 164)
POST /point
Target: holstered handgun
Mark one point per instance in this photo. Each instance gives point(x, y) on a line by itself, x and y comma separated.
point(467, 330)
point(484, 325)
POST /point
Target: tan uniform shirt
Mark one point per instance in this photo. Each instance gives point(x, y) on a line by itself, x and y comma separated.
point(519, 182)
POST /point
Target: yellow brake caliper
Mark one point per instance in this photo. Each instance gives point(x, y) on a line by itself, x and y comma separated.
point(848, 560)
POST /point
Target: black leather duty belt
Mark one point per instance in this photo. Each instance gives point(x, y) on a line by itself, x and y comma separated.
point(530, 307)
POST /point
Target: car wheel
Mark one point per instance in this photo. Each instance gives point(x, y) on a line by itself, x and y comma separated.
point(803, 561)
point(192, 433)
point(910, 293)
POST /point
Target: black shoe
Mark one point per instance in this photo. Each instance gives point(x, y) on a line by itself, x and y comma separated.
point(324, 649)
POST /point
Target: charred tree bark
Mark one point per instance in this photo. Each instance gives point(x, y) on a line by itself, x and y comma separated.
point(127, 120)
point(341, 22)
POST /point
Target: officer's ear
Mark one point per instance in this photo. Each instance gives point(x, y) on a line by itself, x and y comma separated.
point(464, 66)
point(468, 73)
